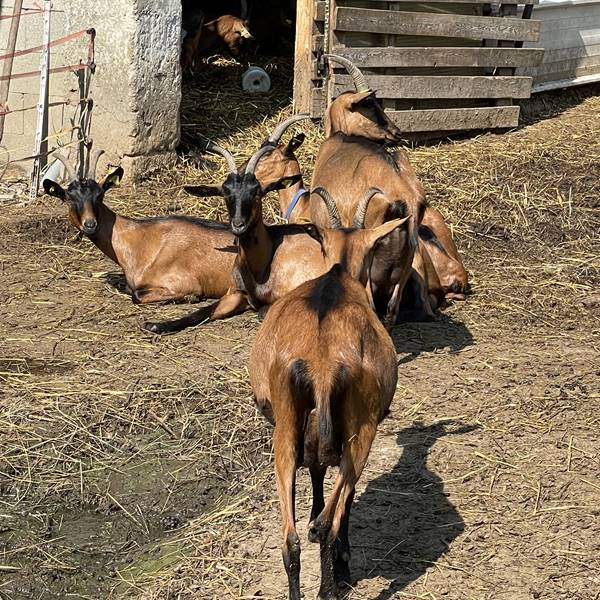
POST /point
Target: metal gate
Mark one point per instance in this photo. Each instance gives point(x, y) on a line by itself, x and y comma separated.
point(445, 65)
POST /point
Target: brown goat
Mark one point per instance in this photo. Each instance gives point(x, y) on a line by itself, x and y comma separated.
point(272, 260)
point(227, 33)
point(278, 165)
point(353, 159)
point(163, 258)
point(434, 233)
point(323, 371)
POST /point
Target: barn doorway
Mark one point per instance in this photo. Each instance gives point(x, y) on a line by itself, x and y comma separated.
point(214, 103)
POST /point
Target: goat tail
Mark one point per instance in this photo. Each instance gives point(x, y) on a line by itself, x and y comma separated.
point(321, 393)
point(329, 402)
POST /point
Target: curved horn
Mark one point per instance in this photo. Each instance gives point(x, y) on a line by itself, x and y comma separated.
point(274, 138)
point(96, 154)
point(251, 166)
point(360, 82)
point(361, 209)
point(72, 173)
point(210, 147)
point(332, 209)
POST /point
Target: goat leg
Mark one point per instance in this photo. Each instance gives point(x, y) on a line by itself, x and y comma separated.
point(317, 475)
point(341, 565)
point(152, 295)
point(285, 451)
point(392, 308)
point(328, 588)
point(230, 304)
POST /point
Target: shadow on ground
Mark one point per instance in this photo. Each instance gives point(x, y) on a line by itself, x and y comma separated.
point(446, 332)
point(403, 522)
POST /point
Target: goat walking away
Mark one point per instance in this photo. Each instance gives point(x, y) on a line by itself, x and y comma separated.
point(163, 258)
point(323, 371)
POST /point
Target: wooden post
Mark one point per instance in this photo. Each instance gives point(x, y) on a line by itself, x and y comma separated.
point(8, 63)
point(506, 10)
point(41, 133)
point(304, 58)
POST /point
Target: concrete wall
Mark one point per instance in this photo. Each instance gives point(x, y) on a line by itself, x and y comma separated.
point(136, 88)
point(570, 35)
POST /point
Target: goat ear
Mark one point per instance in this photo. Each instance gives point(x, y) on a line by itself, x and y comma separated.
point(360, 97)
point(295, 143)
point(284, 182)
point(378, 233)
point(113, 179)
point(53, 189)
point(204, 191)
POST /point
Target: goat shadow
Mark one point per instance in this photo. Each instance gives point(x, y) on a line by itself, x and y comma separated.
point(405, 514)
point(445, 332)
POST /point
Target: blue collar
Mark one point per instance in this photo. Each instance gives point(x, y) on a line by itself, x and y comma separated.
point(293, 203)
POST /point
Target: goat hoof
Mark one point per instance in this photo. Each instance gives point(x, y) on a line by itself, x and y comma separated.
point(313, 533)
point(152, 327)
point(328, 595)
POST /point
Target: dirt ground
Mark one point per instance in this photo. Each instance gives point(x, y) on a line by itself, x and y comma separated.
point(136, 466)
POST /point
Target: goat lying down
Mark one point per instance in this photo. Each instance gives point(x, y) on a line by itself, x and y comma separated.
point(227, 33)
point(272, 260)
point(323, 371)
point(355, 157)
point(164, 259)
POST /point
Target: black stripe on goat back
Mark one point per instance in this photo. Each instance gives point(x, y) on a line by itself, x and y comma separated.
point(327, 293)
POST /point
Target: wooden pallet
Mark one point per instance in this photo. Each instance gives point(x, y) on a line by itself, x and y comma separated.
point(444, 65)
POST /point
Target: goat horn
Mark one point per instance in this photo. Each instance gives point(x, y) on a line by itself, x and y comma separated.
point(96, 154)
point(278, 132)
point(332, 209)
point(360, 82)
point(251, 166)
point(210, 147)
point(68, 166)
point(361, 209)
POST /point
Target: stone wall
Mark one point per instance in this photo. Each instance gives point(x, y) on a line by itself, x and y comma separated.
point(136, 87)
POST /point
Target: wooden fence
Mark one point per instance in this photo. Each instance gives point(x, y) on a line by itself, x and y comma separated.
point(437, 66)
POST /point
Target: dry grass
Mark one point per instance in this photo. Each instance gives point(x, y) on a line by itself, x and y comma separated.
point(111, 438)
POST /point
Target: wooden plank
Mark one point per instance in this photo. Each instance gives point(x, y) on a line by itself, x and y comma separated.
point(320, 10)
point(303, 56)
point(510, 11)
point(318, 43)
point(455, 119)
point(442, 57)
point(398, 86)
point(415, 23)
